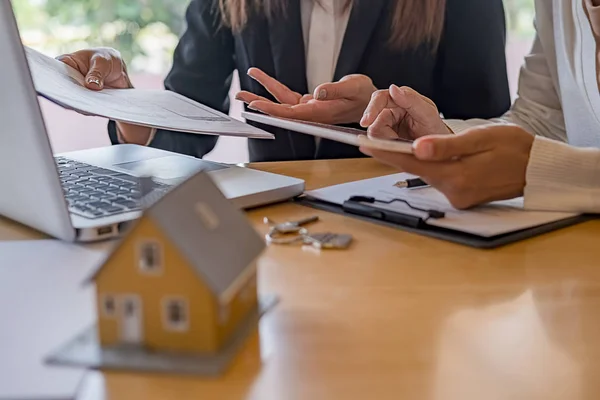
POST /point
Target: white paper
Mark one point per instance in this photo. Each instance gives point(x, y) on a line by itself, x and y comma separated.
point(43, 305)
point(161, 109)
point(490, 220)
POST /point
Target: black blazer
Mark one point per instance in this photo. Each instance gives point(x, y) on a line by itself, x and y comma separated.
point(466, 77)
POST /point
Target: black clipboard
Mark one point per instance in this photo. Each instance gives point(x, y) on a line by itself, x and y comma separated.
point(450, 235)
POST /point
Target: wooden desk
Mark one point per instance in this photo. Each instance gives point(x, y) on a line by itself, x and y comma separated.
point(400, 316)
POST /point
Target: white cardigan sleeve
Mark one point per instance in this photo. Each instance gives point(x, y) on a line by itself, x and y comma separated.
point(559, 177)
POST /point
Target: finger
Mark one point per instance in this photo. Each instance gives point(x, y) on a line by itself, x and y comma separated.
point(281, 92)
point(271, 108)
point(429, 171)
point(380, 100)
point(450, 147)
point(248, 97)
point(419, 107)
point(67, 59)
point(306, 98)
point(346, 88)
point(384, 126)
point(304, 112)
point(79, 60)
point(100, 68)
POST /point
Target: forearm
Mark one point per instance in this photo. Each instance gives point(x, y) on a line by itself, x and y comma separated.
point(177, 142)
point(563, 178)
point(134, 134)
point(550, 126)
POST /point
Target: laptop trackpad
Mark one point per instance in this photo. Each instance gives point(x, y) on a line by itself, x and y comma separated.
point(169, 167)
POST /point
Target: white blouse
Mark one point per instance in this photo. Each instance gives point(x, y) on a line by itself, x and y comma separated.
point(324, 26)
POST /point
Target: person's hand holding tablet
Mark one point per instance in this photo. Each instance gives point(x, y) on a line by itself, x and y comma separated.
point(481, 165)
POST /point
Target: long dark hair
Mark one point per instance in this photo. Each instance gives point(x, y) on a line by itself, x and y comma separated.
point(414, 21)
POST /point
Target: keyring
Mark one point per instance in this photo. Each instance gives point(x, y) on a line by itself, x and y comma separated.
point(276, 237)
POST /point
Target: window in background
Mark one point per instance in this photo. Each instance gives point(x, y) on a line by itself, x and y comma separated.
point(146, 33)
point(519, 15)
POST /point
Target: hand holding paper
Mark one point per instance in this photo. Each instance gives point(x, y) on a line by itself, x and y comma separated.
point(162, 109)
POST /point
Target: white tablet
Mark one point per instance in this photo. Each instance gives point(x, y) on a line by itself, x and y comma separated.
point(351, 136)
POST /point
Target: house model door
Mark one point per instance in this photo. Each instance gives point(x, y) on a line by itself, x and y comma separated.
point(131, 320)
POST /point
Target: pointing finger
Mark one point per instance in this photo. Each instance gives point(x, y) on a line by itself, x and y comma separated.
point(281, 92)
point(380, 100)
point(419, 107)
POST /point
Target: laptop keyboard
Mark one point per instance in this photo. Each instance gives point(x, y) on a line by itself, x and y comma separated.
point(94, 192)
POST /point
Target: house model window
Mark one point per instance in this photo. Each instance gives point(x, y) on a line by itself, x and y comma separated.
point(109, 306)
point(175, 315)
point(150, 257)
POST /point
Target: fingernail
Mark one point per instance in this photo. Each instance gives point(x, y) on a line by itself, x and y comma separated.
point(95, 81)
point(397, 88)
point(322, 95)
point(425, 150)
point(251, 107)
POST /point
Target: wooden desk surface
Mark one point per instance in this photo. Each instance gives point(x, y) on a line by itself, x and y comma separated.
point(400, 316)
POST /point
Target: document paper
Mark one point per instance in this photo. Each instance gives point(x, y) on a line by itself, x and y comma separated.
point(43, 304)
point(161, 109)
point(490, 220)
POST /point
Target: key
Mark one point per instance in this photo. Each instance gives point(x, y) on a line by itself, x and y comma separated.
point(328, 240)
point(290, 226)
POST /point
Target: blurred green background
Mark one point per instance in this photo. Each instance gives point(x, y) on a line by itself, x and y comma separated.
point(146, 31)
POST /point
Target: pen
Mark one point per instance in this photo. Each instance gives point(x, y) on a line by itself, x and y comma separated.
point(411, 183)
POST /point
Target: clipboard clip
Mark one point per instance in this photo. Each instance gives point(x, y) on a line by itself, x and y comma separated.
point(356, 205)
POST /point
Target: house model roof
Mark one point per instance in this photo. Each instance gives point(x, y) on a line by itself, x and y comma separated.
point(210, 232)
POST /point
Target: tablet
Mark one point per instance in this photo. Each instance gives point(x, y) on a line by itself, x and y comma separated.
point(351, 136)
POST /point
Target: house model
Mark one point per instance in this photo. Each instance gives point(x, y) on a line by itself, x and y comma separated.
point(179, 291)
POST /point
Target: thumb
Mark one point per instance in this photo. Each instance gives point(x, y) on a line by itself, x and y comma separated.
point(344, 89)
point(450, 147)
point(99, 70)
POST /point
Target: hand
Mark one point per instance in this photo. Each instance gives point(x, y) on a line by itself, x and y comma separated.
point(102, 67)
point(483, 164)
point(402, 112)
point(341, 102)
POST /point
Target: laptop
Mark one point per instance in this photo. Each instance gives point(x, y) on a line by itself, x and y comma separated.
point(93, 194)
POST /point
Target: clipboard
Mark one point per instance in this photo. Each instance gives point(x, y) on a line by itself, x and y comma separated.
point(450, 235)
